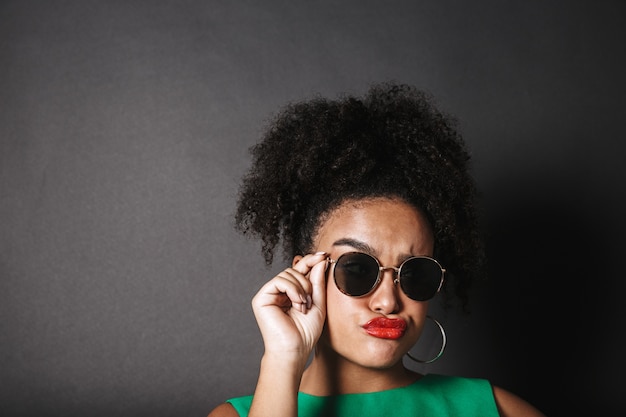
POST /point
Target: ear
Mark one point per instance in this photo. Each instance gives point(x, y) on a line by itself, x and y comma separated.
point(296, 259)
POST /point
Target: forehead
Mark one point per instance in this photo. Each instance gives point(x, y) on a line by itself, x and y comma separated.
point(381, 223)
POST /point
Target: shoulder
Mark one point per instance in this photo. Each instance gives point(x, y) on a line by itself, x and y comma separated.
point(510, 405)
point(224, 410)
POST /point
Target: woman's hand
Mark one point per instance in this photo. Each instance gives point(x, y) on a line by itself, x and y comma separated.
point(290, 309)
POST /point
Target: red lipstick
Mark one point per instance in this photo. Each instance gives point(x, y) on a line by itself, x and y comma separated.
point(385, 328)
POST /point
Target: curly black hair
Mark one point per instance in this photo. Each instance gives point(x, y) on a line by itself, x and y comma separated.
point(392, 142)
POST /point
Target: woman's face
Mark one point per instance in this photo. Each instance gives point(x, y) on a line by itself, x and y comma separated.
point(391, 231)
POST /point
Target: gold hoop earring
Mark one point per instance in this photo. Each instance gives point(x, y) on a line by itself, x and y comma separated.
point(443, 345)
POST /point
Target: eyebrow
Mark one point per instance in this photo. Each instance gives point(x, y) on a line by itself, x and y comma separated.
point(364, 247)
point(356, 244)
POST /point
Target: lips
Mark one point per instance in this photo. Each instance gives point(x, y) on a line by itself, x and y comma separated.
point(385, 328)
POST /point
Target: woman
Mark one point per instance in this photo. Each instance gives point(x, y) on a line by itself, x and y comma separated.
point(372, 200)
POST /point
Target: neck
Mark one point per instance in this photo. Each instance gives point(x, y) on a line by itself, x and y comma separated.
point(331, 374)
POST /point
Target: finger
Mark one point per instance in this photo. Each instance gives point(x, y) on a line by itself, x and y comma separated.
point(291, 283)
point(305, 266)
point(294, 275)
point(307, 262)
point(274, 291)
point(318, 281)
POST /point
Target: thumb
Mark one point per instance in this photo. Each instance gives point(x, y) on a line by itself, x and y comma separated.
point(318, 281)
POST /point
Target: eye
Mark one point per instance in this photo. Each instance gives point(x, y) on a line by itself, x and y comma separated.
point(354, 267)
point(410, 269)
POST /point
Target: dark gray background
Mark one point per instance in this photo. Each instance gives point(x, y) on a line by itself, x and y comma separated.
point(124, 132)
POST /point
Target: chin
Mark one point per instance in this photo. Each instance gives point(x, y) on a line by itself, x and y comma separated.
point(379, 363)
point(381, 357)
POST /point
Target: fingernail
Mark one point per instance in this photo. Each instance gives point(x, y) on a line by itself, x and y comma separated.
point(320, 253)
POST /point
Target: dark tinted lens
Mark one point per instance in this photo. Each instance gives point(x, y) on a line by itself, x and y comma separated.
point(420, 278)
point(356, 273)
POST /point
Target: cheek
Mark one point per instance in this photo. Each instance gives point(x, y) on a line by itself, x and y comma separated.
point(417, 311)
point(341, 310)
point(335, 300)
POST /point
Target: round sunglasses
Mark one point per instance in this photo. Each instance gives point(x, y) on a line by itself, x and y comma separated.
point(358, 274)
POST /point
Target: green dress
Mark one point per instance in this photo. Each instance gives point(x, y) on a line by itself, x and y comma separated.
point(431, 395)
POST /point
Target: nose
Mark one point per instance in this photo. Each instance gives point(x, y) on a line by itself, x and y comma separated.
point(385, 299)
